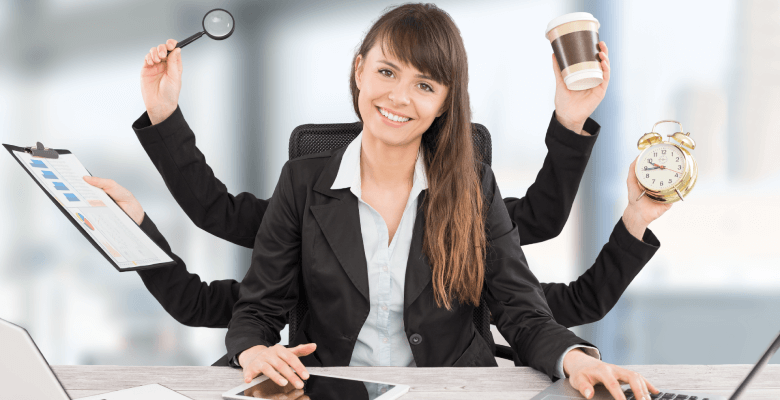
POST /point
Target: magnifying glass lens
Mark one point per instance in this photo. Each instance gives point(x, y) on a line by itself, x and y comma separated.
point(218, 23)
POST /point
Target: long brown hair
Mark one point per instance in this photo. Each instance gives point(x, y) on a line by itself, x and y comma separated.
point(424, 36)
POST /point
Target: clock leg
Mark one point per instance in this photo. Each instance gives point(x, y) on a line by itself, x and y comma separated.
point(640, 196)
point(679, 194)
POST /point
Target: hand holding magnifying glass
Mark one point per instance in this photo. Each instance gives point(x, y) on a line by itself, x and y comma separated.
point(162, 69)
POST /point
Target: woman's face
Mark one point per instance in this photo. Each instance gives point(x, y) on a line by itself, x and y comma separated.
point(397, 102)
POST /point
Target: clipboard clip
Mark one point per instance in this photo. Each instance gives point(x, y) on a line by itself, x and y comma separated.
point(39, 151)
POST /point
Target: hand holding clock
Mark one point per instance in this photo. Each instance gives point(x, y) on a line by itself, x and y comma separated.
point(640, 212)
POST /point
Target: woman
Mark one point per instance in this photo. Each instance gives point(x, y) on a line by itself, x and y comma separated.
point(394, 237)
point(540, 215)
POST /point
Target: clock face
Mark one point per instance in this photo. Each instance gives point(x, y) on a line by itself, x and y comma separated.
point(660, 167)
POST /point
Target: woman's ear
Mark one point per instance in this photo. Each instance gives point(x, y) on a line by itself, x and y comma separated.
point(358, 70)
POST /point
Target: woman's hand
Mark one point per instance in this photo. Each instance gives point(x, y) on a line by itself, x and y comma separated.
point(161, 81)
point(278, 363)
point(573, 107)
point(640, 213)
point(585, 371)
point(121, 196)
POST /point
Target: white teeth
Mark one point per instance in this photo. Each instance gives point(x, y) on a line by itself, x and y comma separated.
point(392, 117)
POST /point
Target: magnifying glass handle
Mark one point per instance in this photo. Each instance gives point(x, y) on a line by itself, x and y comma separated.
point(188, 40)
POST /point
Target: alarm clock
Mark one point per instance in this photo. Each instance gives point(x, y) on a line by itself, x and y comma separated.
point(666, 170)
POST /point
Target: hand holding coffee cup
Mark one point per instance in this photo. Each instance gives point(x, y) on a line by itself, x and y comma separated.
point(581, 67)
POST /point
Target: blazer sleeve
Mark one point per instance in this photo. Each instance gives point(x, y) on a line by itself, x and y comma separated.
point(594, 293)
point(270, 288)
point(542, 213)
point(182, 294)
point(513, 294)
point(204, 198)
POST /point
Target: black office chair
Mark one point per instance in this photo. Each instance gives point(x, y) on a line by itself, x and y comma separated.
point(316, 138)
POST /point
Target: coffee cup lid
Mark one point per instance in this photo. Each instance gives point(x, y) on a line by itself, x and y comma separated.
point(576, 16)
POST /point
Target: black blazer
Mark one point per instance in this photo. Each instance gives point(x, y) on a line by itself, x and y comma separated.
point(539, 216)
point(312, 235)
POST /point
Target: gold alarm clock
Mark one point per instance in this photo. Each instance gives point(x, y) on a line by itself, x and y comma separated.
point(666, 170)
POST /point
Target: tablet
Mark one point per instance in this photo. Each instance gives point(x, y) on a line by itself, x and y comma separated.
point(318, 387)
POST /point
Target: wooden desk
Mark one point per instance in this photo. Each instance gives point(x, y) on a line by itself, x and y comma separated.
point(202, 383)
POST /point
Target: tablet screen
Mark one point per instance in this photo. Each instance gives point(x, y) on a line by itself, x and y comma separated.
point(319, 388)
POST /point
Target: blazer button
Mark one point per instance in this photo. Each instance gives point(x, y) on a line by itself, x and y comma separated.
point(415, 339)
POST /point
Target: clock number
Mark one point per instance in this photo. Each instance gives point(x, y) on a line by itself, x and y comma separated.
point(650, 160)
point(647, 175)
point(663, 151)
point(678, 159)
point(676, 175)
point(670, 181)
point(653, 180)
point(679, 167)
point(655, 154)
point(645, 167)
point(662, 183)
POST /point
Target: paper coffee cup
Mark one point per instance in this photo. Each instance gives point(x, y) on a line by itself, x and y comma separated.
point(575, 41)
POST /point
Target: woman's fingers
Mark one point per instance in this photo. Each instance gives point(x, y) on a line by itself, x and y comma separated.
point(303, 350)
point(283, 368)
point(293, 361)
point(612, 384)
point(171, 44)
point(557, 72)
point(585, 388)
point(269, 371)
point(636, 381)
point(162, 51)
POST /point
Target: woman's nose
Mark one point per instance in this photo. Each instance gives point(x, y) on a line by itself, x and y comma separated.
point(399, 95)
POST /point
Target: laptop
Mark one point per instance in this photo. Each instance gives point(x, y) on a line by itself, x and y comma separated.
point(25, 374)
point(562, 389)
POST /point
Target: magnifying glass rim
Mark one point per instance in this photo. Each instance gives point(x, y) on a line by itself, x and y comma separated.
point(227, 35)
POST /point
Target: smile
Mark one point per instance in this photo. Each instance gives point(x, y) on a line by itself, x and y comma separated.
point(391, 116)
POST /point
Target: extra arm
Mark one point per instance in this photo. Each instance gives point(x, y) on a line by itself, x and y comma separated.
point(594, 293)
point(542, 213)
point(204, 198)
point(182, 294)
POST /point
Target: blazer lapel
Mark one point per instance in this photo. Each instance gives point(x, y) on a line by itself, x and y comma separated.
point(418, 271)
point(340, 223)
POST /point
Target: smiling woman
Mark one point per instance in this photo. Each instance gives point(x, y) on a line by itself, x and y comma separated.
point(384, 287)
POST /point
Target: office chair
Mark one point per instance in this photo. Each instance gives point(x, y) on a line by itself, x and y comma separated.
point(316, 138)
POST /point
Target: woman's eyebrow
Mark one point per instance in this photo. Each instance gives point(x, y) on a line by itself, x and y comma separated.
point(421, 76)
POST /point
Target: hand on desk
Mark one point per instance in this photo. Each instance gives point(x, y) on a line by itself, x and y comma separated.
point(277, 363)
point(585, 371)
point(121, 196)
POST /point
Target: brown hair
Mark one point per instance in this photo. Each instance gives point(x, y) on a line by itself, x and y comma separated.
point(424, 36)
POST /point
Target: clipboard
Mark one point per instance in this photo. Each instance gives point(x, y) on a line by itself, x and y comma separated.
point(151, 255)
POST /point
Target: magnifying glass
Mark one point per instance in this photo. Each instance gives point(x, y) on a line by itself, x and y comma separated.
point(218, 24)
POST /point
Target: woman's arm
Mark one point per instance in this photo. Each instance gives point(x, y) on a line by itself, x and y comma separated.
point(521, 314)
point(170, 145)
point(182, 294)
point(268, 292)
point(542, 213)
point(631, 245)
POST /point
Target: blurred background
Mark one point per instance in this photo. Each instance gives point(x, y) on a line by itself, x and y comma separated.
point(69, 77)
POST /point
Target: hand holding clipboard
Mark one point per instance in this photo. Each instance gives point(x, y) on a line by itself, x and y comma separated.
point(96, 215)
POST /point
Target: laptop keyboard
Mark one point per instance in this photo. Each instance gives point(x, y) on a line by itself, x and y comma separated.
point(664, 396)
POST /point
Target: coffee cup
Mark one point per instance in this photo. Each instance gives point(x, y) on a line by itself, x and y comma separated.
point(575, 41)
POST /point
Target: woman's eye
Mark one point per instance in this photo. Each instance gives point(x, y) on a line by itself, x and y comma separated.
point(386, 72)
point(426, 87)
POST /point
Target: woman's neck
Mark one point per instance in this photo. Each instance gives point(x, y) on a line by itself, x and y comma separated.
point(387, 165)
